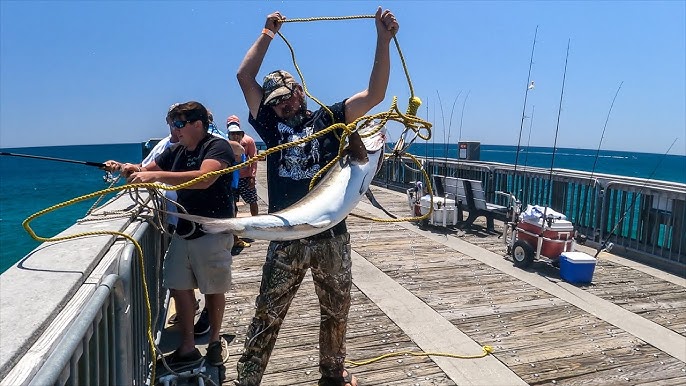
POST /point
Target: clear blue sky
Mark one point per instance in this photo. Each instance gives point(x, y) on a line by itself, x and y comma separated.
point(105, 72)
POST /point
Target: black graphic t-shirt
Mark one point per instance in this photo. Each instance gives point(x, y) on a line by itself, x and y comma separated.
point(216, 200)
point(290, 171)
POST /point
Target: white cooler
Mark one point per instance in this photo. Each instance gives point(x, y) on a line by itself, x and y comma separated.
point(445, 212)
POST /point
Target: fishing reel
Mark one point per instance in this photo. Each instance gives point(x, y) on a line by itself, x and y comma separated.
point(110, 178)
point(579, 238)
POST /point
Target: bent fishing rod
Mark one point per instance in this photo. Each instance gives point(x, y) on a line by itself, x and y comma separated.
point(71, 161)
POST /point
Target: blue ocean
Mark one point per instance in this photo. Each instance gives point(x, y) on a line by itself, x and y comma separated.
point(31, 185)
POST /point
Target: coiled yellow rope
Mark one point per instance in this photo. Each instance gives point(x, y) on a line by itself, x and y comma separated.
point(409, 120)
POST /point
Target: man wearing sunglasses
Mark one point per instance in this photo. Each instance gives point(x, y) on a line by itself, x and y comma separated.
point(194, 259)
point(278, 112)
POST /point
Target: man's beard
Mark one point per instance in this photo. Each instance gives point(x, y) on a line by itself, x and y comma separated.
point(299, 117)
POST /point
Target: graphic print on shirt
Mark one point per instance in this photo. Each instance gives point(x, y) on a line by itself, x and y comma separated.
point(192, 161)
point(298, 162)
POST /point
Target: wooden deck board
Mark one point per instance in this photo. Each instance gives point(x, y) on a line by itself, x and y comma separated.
point(540, 337)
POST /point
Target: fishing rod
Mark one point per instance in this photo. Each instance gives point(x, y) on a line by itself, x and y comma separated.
point(459, 134)
point(526, 94)
point(464, 102)
point(529, 86)
point(557, 127)
point(450, 125)
point(528, 141)
point(440, 103)
point(597, 154)
point(557, 130)
point(426, 144)
point(604, 245)
point(87, 163)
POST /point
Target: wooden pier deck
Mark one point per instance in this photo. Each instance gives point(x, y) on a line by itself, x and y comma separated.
point(454, 291)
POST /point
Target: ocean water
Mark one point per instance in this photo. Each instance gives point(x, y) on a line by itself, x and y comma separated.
point(30, 185)
point(666, 167)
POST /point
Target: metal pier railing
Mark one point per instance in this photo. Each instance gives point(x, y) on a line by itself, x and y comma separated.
point(644, 217)
point(98, 335)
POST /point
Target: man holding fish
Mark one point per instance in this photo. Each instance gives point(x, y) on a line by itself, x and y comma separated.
point(278, 112)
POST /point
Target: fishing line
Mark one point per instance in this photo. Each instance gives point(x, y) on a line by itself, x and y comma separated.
point(87, 163)
point(604, 244)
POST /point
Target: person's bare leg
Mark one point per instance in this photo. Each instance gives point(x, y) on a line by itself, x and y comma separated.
point(184, 301)
point(254, 209)
point(215, 310)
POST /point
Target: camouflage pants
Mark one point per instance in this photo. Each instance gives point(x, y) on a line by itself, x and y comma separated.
point(285, 267)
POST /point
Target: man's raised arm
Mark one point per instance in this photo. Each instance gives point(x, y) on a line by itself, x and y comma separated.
point(360, 103)
point(250, 66)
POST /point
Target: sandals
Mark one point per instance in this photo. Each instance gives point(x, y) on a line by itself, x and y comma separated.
point(347, 379)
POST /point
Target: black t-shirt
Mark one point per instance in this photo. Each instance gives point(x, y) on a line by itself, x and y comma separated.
point(216, 200)
point(290, 171)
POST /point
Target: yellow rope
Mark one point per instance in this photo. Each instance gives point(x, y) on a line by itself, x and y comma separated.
point(486, 350)
point(409, 120)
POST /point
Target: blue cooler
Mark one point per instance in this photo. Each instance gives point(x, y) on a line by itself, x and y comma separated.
point(577, 267)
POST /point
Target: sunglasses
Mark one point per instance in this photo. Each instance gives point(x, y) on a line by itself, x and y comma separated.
point(180, 124)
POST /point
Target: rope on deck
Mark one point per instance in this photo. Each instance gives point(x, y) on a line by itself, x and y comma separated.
point(486, 350)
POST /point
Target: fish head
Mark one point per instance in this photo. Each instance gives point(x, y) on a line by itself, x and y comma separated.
point(373, 136)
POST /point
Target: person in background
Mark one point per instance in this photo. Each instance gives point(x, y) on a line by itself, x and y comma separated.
point(246, 183)
point(278, 112)
point(194, 259)
point(212, 128)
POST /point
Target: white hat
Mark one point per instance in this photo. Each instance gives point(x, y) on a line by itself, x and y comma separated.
point(234, 128)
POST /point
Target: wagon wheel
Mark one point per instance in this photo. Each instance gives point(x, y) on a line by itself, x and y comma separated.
point(522, 254)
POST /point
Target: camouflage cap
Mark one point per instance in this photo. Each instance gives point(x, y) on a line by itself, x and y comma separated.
point(277, 86)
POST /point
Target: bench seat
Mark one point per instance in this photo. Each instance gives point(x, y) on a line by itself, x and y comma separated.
point(470, 195)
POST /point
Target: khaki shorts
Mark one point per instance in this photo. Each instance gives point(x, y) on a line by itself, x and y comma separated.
point(203, 263)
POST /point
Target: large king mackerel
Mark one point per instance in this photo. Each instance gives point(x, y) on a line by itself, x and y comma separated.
point(327, 204)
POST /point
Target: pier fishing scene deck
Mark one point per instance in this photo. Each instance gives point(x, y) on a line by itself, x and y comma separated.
point(453, 291)
point(557, 258)
point(431, 305)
